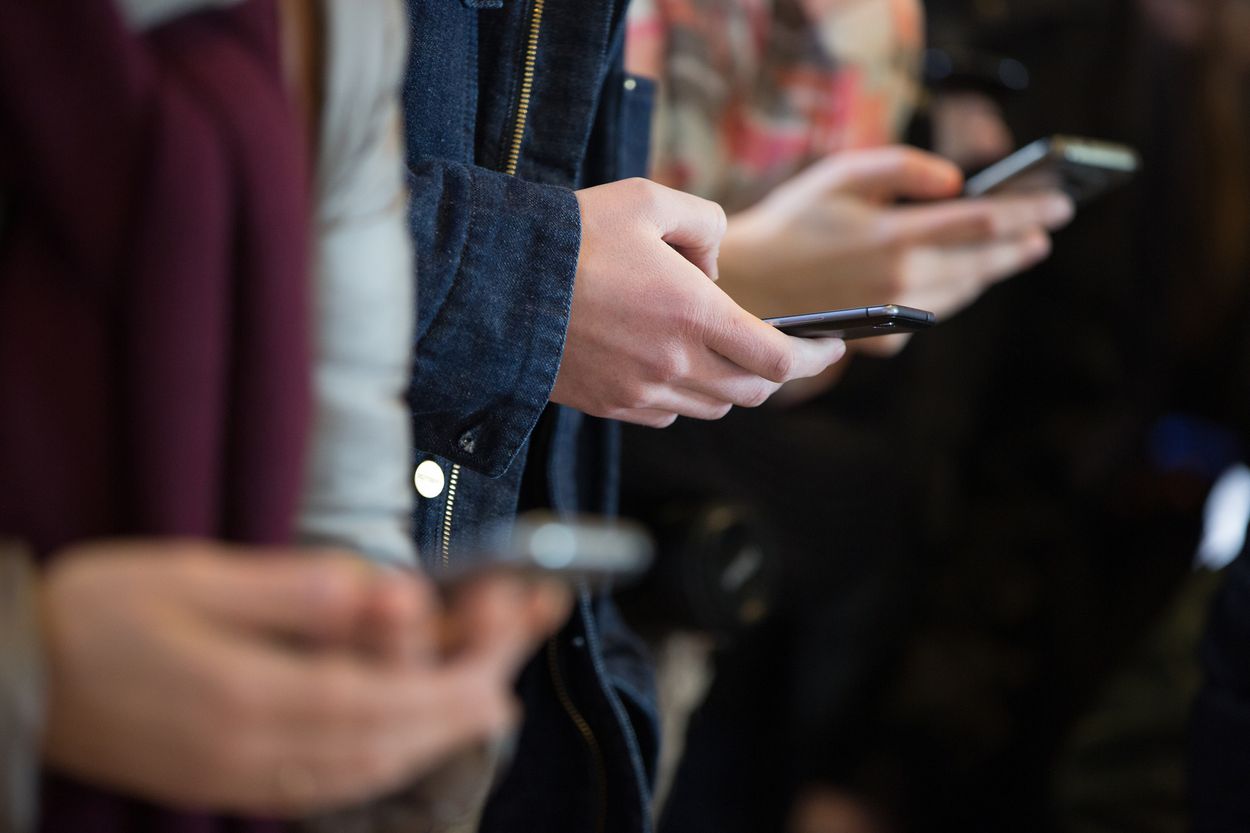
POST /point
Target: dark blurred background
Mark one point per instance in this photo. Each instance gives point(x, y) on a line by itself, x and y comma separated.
point(985, 594)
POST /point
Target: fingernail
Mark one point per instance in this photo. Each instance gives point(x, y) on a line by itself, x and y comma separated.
point(953, 179)
point(1059, 210)
point(1039, 246)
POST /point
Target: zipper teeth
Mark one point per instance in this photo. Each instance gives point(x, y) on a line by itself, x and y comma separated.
point(553, 659)
point(452, 482)
point(527, 88)
point(510, 168)
point(583, 727)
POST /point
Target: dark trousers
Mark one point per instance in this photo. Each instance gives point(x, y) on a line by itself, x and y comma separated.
point(1220, 736)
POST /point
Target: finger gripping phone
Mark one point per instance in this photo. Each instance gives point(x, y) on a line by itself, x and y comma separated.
point(858, 322)
point(1082, 168)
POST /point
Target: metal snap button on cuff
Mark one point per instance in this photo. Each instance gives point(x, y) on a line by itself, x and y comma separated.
point(429, 479)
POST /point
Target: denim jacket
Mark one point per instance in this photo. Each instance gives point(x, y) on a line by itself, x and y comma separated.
point(509, 105)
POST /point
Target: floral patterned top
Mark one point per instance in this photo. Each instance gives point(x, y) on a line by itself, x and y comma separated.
point(751, 91)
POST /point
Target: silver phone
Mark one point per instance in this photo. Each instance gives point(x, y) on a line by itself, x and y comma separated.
point(1082, 168)
point(855, 323)
point(597, 551)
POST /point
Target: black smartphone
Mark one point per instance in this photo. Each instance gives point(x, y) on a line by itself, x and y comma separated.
point(859, 322)
point(1082, 168)
point(597, 551)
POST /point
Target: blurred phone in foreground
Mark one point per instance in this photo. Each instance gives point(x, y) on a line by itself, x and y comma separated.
point(596, 551)
point(1084, 169)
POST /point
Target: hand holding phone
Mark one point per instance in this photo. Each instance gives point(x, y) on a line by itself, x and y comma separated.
point(501, 603)
point(650, 336)
point(834, 237)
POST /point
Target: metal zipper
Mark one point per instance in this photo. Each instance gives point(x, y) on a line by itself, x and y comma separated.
point(510, 168)
point(527, 88)
point(583, 727)
point(452, 481)
point(553, 658)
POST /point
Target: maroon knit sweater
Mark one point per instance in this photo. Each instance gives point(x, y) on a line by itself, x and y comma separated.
point(154, 364)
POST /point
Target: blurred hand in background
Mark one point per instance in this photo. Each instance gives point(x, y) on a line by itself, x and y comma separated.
point(835, 236)
point(281, 683)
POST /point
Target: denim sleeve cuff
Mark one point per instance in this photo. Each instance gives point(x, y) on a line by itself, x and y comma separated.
point(494, 310)
point(21, 689)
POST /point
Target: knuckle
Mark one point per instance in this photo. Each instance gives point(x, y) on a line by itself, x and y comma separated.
point(831, 169)
point(217, 752)
point(636, 397)
point(780, 365)
point(477, 697)
point(669, 366)
point(647, 194)
point(884, 229)
point(232, 702)
point(991, 225)
point(339, 590)
point(689, 317)
point(819, 164)
point(614, 413)
point(902, 160)
point(377, 763)
point(1041, 245)
point(758, 395)
point(664, 420)
point(886, 236)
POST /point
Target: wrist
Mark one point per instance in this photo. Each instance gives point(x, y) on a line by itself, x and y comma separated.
point(21, 688)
